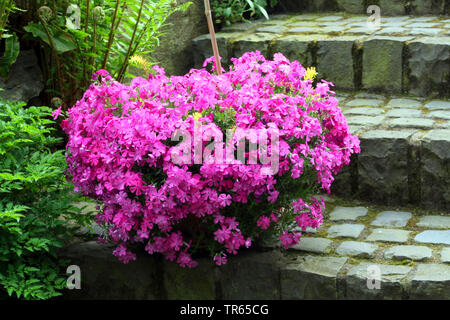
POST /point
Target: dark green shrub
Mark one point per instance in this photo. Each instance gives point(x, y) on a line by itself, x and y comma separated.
point(36, 204)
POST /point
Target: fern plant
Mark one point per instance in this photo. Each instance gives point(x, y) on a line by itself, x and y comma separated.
point(12, 46)
point(37, 214)
point(80, 39)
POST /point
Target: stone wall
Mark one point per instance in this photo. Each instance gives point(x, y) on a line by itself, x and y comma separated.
point(403, 55)
point(176, 53)
point(388, 7)
point(251, 275)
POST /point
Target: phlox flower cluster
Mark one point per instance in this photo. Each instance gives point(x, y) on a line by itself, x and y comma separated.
point(120, 145)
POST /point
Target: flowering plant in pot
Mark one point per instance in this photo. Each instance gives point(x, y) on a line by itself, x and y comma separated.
point(208, 160)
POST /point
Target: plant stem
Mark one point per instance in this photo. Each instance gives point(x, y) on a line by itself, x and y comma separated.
point(86, 25)
point(6, 13)
point(111, 35)
point(213, 37)
point(125, 61)
point(53, 48)
point(94, 45)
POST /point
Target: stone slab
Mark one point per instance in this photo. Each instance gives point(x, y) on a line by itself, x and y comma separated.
point(431, 281)
point(361, 281)
point(312, 277)
point(315, 245)
point(434, 237)
point(357, 249)
point(391, 219)
point(416, 253)
point(417, 123)
point(438, 105)
point(445, 255)
point(345, 231)
point(382, 64)
point(404, 103)
point(403, 113)
point(434, 222)
point(389, 235)
point(348, 213)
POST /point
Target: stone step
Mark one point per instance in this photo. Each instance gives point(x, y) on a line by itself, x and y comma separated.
point(359, 252)
point(409, 55)
point(387, 7)
point(405, 151)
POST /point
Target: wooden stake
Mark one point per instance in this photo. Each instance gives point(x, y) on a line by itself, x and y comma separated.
point(213, 36)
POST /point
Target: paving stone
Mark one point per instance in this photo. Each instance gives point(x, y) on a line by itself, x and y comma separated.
point(304, 24)
point(364, 111)
point(362, 30)
point(275, 19)
point(348, 213)
point(312, 277)
point(434, 236)
point(365, 121)
point(305, 30)
point(365, 103)
point(272, 29)
point(435, 177)
point(383, 166)
point(403, 113)
point(422, 19)
point(336, 24)
point(438, 105)
point(297, 47)
point(389, 235)
point(335, 62)
point(330, 18)
point(431, 281)
point(425, 32)
point(429, 62)
point(382, 63)
point(435, 222)
point(315, 245)
point(439, 115)
point(357, 249)
point(392, 30)
point(334, 30)
point(423, 25)
point(418, 123)
point(403, 103)
point(240, 27)
point(358, 24)
point(416, 253)
point(395, 19)
point(361, 278)
point(345, 231)
point(394, 24)
point(445, 255)
point(392, 219)
point(444, 125)
point(356, 19)
point(302, 17)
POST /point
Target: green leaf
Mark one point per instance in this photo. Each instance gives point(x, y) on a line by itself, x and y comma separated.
point(12, 48)
point(62, 41)
point(263, 11)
